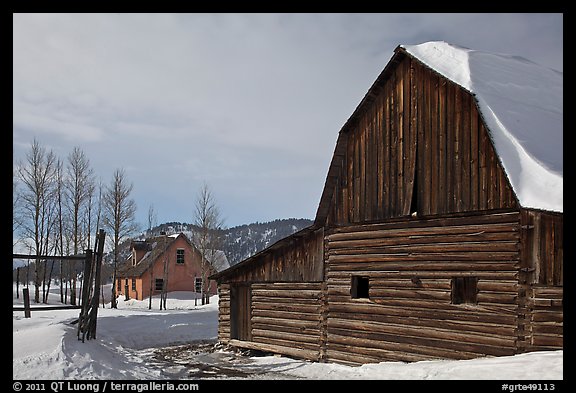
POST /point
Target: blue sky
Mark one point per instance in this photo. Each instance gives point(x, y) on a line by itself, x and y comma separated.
point(249, 103)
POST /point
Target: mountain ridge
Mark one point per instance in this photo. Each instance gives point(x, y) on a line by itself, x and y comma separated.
point(241, 241)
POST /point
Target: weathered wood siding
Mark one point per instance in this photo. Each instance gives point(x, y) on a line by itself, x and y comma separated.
point(241, 312)
point(543, 247)
point(541, 277)
point(294, 259)
point(410, 264)
point(417, 133)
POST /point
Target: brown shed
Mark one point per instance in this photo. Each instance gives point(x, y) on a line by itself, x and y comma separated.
point(439, 232)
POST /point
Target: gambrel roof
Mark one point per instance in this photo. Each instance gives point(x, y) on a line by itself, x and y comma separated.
point(521, 104)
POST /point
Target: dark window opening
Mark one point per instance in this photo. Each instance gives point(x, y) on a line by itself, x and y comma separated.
point(159, 284)
point(198, 284)
point(360, 287)
point(133, 284)
point(180, 256)
point(464, 290)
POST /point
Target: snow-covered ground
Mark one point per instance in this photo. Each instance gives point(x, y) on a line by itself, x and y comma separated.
point(129, 339)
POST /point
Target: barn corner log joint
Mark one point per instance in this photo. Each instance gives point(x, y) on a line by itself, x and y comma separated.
point(420, 249)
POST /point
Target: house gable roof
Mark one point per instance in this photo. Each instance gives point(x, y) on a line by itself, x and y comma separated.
point(155, 248)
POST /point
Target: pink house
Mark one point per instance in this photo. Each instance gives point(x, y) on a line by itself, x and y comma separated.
point(143, 272)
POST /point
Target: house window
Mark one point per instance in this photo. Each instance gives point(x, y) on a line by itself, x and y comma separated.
point(120, 284)
point(159, 284)
point(198, 284)
point(133, 284)
point(360, 287)
point(464, 290)
point(180, 256)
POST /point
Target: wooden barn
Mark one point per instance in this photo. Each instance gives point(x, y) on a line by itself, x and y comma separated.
point(439, 232)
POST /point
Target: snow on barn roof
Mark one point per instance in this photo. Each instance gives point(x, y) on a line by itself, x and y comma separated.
point(521, 103)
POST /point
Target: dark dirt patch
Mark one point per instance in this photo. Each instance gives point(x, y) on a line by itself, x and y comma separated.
point(206, 359)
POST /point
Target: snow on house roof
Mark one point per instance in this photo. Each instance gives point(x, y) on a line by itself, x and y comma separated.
point(522, 105)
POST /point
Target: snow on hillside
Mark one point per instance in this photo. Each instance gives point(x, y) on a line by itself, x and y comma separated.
point(45, 346)
point(522, 104)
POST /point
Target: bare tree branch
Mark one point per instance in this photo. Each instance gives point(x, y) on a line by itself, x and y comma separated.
point(119, 217)
point(37, 176)
point(208, 240)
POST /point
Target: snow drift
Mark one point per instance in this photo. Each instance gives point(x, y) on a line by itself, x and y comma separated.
point(522, 105)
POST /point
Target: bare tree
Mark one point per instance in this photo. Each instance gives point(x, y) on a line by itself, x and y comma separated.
point(119, 217)
point(206, 239)
point(78, 183)
point(16, 214)
point(99, 206)
point(152, 218)
point(59, 241)
point(164, 292)
point(55, 229)
point(91, 204)
point(36, 175)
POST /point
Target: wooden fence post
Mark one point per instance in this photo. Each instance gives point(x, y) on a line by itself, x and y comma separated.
point(26, 295)
point(88, 315)
point(18, 282)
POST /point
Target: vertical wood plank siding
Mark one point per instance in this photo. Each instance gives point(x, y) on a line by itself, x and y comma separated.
point(293, 259)
point(543, 247)
point(410, 265)
point(422, 129)
point(541, 280)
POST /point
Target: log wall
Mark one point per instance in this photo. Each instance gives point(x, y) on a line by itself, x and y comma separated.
point(546, 318)
point(288, 316)
point(410, 314)
point(410, 264)
point(224, 313)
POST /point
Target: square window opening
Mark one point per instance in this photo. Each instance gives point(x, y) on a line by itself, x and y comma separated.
point(360, 287)
point(159, 284)
point(464, 290)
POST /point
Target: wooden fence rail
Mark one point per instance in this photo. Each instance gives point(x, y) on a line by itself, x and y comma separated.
point(90, 288)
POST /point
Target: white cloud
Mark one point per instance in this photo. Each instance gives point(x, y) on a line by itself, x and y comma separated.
point(225, 91)
point(70, 130)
